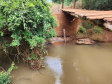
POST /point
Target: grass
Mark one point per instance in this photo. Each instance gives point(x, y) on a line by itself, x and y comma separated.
point(88, 30)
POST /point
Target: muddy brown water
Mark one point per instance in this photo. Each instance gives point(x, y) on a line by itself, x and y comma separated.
point(70, 64)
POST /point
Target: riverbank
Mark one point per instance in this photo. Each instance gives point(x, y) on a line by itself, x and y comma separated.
point(104, 37)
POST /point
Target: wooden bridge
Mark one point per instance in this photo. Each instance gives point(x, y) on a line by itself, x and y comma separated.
point(101, 18)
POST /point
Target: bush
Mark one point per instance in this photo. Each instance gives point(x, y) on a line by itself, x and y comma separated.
point(86, 25)
point(82, 30)
point(97, 30)
point(29, 23)
point(4, 76)
point(30, 20)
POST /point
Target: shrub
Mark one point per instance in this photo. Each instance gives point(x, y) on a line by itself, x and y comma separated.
point(30, 20)
point(82, 30)
point(29, 23)
point(86, 25)
point(4, 76)
point(97, 30)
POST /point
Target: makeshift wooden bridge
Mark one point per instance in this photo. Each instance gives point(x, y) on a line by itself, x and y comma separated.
point(100, 18)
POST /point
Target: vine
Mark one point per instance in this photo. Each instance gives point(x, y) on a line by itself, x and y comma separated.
point(4, 75)
point(28, 23)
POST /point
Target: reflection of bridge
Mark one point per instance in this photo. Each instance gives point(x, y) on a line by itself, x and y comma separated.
point(100, 18)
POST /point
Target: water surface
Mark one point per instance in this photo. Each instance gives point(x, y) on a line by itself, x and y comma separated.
point(70, 64)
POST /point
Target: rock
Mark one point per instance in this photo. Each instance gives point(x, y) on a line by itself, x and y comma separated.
point(85, 41)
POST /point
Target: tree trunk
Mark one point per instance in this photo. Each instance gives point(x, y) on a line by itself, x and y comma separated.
point(62, 4)
point(74, 3)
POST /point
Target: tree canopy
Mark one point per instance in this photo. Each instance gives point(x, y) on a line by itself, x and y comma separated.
point(67, 2)
point(97, 4)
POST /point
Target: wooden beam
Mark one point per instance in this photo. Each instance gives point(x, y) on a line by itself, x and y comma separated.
point(108, 25)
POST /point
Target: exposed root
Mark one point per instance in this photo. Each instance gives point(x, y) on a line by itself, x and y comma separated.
point(31, 56)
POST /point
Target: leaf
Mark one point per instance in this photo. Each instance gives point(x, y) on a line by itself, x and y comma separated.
point(42, 58)
point(33, 56)
point(30, 21)
point(43, 66)
point(15, 43)
point(28, 58)
point(1, 33)
point(31, 63)
point(15, 67)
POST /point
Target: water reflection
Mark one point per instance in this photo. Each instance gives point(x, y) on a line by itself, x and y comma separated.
point(55, 64)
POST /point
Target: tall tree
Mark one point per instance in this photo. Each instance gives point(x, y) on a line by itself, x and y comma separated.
point(74, 3)
point(62, 3)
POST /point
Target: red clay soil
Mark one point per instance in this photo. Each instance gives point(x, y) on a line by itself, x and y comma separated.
point(70, 24)
point(67, 22)
point(107, 36)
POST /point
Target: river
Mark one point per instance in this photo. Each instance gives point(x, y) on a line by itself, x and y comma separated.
point(68, 63)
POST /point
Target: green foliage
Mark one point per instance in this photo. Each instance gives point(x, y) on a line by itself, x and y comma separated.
point(28, 58)
point(4, 76)
point(66, 2)
point(42, 58)
point(28, 20)
point(82, 30)
point(57, 1)
point(97, 30)
point(33, 56)
point(86, 25)
point(97, 4)
point(43, 66)
point(31, 63)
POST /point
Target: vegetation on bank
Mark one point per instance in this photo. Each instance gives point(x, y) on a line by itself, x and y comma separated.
point(85, 26)
point(90, 31)
point(28, 24)
point(5, 75)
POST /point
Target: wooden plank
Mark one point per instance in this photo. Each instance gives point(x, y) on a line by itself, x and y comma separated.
point(107, 19)
point(98, 17)
point(108, 25)
point(94, 14)
point(82, 11)
point(90, 14)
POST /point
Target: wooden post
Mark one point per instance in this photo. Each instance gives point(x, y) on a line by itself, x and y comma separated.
point(64, 35)
point(74, 3)
point(62, 4)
